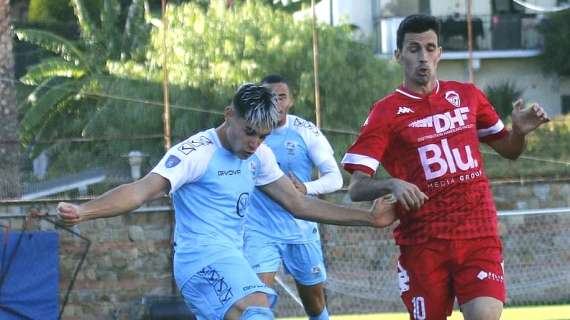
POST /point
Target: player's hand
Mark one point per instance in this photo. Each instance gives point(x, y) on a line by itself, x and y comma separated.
point(383, 212)
point(527, 119)
point(299, 185)
point(68, 213)
point(410, 197)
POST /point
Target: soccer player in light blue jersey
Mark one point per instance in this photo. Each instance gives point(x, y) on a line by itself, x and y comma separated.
point(210, 177)
point(272, 235)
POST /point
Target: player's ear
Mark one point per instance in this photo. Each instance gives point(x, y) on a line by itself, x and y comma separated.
point(397, 55)
point(229, 112)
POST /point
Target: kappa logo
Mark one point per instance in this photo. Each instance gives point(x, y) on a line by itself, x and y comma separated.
point(188, 147)
point(453, 98)
point(404, 110)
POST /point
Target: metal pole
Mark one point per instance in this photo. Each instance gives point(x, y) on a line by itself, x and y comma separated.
point(316, 67)
point(167, 140)
point(469, 43)
point(166, 113)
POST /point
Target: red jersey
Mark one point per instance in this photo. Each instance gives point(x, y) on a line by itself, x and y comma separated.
point(432, 141)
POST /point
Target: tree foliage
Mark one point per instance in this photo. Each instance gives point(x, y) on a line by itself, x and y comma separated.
point(502, 95)
point(214, 50)
point(210, 50)
point(67, 86)
point(556, 32)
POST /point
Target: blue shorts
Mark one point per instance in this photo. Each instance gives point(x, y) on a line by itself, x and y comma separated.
point(303, 261)
point(212, 291)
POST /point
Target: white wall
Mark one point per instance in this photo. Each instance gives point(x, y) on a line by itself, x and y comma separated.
point(357, 12)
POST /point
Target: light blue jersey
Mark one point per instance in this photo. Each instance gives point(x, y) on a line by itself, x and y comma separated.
point(298, 146)
point(211, 190)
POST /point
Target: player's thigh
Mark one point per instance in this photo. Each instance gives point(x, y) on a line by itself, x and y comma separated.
point(425, 281)
point(479, 280)
point(212, 291)
point(305, 263)
point(263, 256)
point(482, 308)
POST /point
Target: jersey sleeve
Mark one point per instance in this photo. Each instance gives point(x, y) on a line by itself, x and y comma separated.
point(489, 125)
point(367, 151)
point(181, 165)
point(269, 170)
point(318, 146)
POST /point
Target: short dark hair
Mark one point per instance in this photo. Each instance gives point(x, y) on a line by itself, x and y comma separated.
point(257, 105)
point(274, 78)
point(417, 23)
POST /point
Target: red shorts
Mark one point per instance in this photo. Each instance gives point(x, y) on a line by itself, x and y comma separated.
point(432, 274)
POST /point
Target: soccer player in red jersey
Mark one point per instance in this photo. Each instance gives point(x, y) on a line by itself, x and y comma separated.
point(426, 135)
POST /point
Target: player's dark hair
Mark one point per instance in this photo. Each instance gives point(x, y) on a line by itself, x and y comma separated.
point(257, 105)
point(274, 78)
point(417, 23)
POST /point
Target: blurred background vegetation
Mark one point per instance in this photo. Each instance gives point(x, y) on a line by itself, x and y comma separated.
point(91, 79)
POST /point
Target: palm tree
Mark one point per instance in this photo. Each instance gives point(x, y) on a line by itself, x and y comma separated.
point(69, 85)
point(9, 145)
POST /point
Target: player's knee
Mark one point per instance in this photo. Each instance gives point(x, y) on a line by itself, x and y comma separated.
point(257, 313)
point(482, 309)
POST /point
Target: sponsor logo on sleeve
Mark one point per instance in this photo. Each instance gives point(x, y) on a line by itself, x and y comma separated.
point(307, 125)
point(190, 146)
point(172, 161)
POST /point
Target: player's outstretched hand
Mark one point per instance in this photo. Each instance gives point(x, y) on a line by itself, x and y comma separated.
point(68, 213)
point(409, 196)
point(527, 119)
point(383, 211)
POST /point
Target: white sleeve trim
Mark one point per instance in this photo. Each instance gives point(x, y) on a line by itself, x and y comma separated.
point(269, 171)
point(330, 181)
point(353, 158)
point(496, 128)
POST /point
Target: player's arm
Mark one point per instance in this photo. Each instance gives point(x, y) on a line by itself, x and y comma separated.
point(364, 187)
point(525, 120)
point(121, 199)
point(282, 191)
point(329, 181)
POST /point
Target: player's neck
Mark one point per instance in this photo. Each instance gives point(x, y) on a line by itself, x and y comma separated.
point(221, 131)
point(420, 89)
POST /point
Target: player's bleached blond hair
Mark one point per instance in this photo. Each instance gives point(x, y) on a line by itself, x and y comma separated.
point(257, 105)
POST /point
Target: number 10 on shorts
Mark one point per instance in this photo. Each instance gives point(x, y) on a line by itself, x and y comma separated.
point(419, 308)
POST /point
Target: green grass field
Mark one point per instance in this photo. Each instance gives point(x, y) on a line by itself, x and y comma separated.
point(518, 313)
